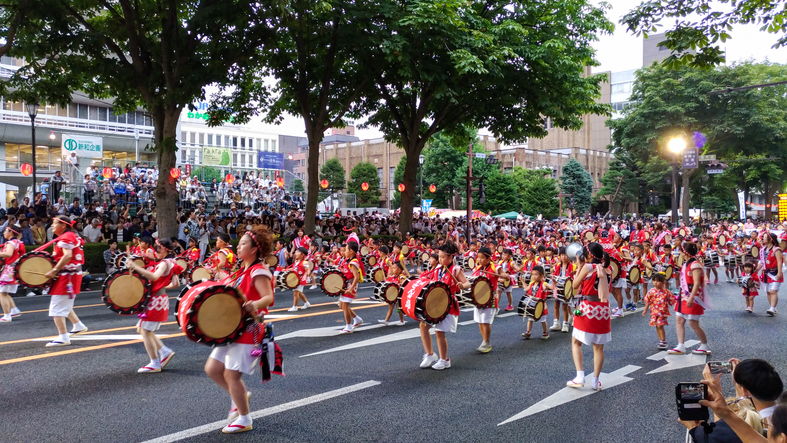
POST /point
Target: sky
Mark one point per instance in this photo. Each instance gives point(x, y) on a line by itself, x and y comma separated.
point(621, 51)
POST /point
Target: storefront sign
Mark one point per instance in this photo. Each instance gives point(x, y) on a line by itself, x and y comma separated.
point(213, 156)
point(82, 145)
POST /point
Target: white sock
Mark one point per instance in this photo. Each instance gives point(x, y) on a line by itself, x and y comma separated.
point(680, 346)
point(595, 382)
point(357, 320)
point(155, 363)
point(484, 343)
point(15, 310)
point(348, 326)
point(78, 326)
point(7, 316)
point(580, 377)
point(703, 347)
point(64, 338)
point(243, 420)
point(164, 350)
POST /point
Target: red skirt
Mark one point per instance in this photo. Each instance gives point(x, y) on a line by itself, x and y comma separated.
point(60, 285)
point(596, 318)
point(695, 308)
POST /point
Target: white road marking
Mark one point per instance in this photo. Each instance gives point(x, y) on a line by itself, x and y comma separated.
point(216, 426)
point(100, 337)
point(678, 361)
point(330, 331)
point(507, 314)
point(404, 335)
point(567, 394)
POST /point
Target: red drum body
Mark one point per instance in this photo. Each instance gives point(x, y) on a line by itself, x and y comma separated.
point(425, 300)
point(125, 292)
point(387, 292)
point(212, 313)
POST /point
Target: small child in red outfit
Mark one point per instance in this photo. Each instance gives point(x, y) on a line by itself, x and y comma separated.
point(395, 275)
point(659, 300)
point(749, 290)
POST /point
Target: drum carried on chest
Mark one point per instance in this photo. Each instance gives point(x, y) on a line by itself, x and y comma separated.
point(754, 252)
point(746, 282)
point(182, 262)
point(634, 276)
point(425, 300)
point(470, 263)
point(424, 257)
point(371, 261)
point(364, 251)
point(405, 250)
point(199, 273)
point(667, 270)
point(31, 267)
point(564, 289)
point(387, 292)
point(480, 293)
point(137, 259)
point(212, 313)
point(333, 283)
point(126, 292)
point(288, 280)
point(377, 274)
point(530, 308)
point(614, 266)
point(272, 261)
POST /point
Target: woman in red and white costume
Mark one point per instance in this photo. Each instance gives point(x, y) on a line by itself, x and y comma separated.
point(67, 279)
point(593, 323)
point(452, 275)
point(221, 262)
point(300, 240)
point(771, 261)
point(691, 301)
point(11, 251)
point(227, 364)
point(163, 276)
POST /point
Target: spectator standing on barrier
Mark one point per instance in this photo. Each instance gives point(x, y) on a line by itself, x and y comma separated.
point(57, 181)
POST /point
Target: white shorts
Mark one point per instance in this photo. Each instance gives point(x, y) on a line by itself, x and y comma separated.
point(60, 305)
point(9, 289)
point(543, 319)
point(236, 357)
point(621, 283)
point(588, 339)
point(448, 324)
point(344, 299)
point(486, 316)
point(688, 316)
point(637, 287)
point(299, 288)
point(151, 326)
point(773, 286)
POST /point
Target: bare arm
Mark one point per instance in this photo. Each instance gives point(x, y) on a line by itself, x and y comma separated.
point(583, 272)
point(7, 251)
point(157, 273)
point(67, 254)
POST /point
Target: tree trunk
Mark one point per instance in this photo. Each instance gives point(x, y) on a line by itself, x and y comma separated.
point(686, 195)
point(313, 188)
point(408, 196)
point(767, 194)
point(165, 122)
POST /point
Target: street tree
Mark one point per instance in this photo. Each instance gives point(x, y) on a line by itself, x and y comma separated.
point(501, 194)
point(333, 171)
point(365, 172)
point(443, 164)
point(577, 181)
point(619, 187)
point(296, 185)
point(501, 65)
point(537, 190)
point(144, 53)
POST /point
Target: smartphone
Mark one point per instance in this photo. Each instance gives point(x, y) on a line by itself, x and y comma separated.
point(688, 396)
point(720, 367)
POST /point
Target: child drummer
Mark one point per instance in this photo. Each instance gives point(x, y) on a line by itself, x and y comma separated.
point(485, 316)
point(395, 275)
point(299, 266)
point(564, 268)
point(508, 270)
point(538, 289)
point(750, 292)
point(163, 277)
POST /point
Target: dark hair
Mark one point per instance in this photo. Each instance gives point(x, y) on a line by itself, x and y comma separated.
point(759, 378)
point(435, 256)
point(384, 249)
point(689, 248)
point(399, 265)
point(303, 250)
point(166, 244)
point(541, 248)
point(486, 251)
point(449, 248)
point(659, 277)
point(508, 251)
point(147, 240)
point(111, 240)
point(561, 250)
point(224, 237)
point(539, 269)
point(353, 247)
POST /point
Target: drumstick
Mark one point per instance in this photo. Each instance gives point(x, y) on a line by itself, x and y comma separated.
point(33, 272)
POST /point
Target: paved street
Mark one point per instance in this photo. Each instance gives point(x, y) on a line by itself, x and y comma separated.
point(365, 386)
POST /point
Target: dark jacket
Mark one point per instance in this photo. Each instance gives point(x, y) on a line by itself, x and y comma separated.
point(722, 433)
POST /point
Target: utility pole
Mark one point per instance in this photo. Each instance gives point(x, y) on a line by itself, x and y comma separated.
point(560, 202)
point(469, 188)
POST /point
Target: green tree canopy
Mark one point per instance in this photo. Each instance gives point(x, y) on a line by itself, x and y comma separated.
point(537, 191)
point(576, 180)
point(619, 187)
point(365, 172)
point(296, 185)
point(501, 194)
point(443, 168)
point(333, 171)
point(143, 53)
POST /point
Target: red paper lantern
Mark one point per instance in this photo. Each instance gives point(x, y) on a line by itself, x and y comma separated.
point(174, 172)
point(230, 178)
point(401, 187)
point(107, 172)
point(365, 186)
point(324, 184)
point(26, 169)
point(280, 182)
point(432, 189)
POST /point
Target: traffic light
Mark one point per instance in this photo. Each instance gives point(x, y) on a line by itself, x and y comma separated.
point(481, 192)
point(571, 202)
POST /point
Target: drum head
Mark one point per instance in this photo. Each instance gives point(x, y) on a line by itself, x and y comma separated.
point(220, 315)
point(364, 250)
point(372, 260)
point(568, 291)
point(679, 260)
point(30, 270)
point(482, 292)
point(126, 291)
point(437, 303)
point(309, 266)
point(682, 232)
point(722, 240)
point(470, 263)
point(733, 228)
point(405, 250)
point(333, 282)
point(668, 272)
point(755, 251)
point(378, 275)
point(536, 309)
point(139, 262)
point(647, 235)
point(615, 266)
point(425, 257)
point(500, 249)
point(391, 294)
point(182, 263)
point(272, 260)
point(200, 273)
point(634, 276)
point(291, 280)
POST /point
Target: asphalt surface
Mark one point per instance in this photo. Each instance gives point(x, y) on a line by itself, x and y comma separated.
point(90, 391)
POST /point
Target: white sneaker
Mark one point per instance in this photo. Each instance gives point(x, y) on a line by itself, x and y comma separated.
point(313, 287)
point(401, 323)
point(442, 364)
point(484, 348)
point(31, 294)
point(5, 319)
point(346, 330)
point(771, 311)
point(306, 305)
point(555, 326)
point(617, 313)
point(357, 322)
point(293, 309)
point(15, 312)
point(565, 327)
point(428, 361)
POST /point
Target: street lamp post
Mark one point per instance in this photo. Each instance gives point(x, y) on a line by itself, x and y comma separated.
point(676, 145)
point(32, 111)
point(421, 187)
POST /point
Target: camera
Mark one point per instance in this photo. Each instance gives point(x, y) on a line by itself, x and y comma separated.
point(687, 397)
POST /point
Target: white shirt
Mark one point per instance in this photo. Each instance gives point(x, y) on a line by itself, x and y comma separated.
point(91, 233)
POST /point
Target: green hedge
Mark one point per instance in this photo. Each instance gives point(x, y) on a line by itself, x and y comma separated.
point(94, 252)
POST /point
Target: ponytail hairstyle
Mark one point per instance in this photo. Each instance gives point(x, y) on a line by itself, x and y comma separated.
point(166, 244)
point(262, 239)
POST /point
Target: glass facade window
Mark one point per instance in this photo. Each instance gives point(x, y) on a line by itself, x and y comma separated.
point(266, 144)
point(201, 138)
point(210, 139)
point(391, 173)
point(380, 176)
point(273, 145)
